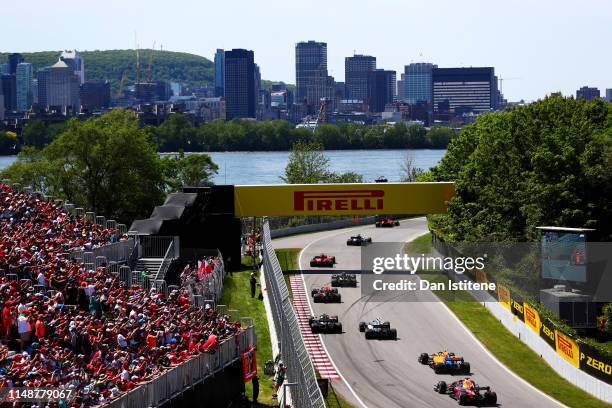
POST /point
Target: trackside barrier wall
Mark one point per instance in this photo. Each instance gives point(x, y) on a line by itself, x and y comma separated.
point(187, 375)
point(577, 362)
point(306, 394)
point(282, 232)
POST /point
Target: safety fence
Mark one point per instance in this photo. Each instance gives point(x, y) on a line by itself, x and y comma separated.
point(573, 359)
point(208, 290)
point(305, 393)
point(188, 374)
point(117, 252)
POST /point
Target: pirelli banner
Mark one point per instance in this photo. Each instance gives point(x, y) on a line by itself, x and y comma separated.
point(596, 364)
point(567, 348)
point(342, 199)
point(531, 318)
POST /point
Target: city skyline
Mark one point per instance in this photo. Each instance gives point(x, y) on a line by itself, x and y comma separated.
point(536, 51)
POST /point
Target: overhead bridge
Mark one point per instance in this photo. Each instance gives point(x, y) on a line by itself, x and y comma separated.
point(209, 217)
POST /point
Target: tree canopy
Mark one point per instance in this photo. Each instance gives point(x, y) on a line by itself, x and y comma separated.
point(547, 163)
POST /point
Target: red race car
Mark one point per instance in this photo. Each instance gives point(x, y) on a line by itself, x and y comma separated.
point(326, 295)
point(386, 223)
point(323, 261)
point(467, 392)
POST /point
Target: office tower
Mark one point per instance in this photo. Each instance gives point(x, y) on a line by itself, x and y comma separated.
point(609, 94)
point(588, 93)
point(310, 63)
point(59, 86)
point(34, 90)
point(219, 72)
point(14, 60)
point(461, 90)
point(5, 68)
point(239, 84)
point(24, 76)
point(74, 60)
point(381, 89)
point(356, 69)
point(163, 90)
point(401, 89)
point(418, 83)
point(95, 95)
point(9, 89)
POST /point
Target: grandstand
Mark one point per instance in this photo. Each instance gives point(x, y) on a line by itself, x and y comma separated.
point(82, 311)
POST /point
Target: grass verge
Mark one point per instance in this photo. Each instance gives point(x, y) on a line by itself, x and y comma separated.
point(237, 295)
point(420, 245)
point(513, 353)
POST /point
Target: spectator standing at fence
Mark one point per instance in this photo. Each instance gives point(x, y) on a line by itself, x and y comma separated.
point(253, 282)
point(279, 378)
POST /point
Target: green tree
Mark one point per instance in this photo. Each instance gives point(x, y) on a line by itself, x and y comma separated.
point(438, 137)
point(194, 170)
point(30, 169)
point(106, 164)
point(307, 164)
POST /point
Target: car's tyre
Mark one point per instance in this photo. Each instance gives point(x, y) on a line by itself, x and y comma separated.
point(339, 299)
point(465, 368)
point(369, 335)
point(388, 324)
point(362, 326)
point(314, 329)
point(424, 358)
point(441, 387)
point(313, 263)
point(438, 368)
point(334, 284)
point(377, 225)
point(313, 292)
point(334, 291)
point(316, 299)
point(393, 334)
point(339, 328)
point(491, 398)
point(463, 399)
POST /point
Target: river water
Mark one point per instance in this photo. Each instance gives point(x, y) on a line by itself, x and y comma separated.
point(268, 167)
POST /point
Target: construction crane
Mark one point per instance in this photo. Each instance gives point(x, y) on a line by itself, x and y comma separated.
point(119, 93)
point(137, 64)
point(501, 82)
point(150, 67)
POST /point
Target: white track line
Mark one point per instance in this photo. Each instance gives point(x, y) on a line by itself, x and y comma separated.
point(343, 231)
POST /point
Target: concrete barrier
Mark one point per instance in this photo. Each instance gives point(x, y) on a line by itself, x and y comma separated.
point(302, 229)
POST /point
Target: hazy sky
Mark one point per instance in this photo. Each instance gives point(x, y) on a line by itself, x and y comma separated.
point(540, 46)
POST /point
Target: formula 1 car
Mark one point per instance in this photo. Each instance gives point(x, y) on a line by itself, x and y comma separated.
point(358, 240)
point(378, 329)
point(444, 362)
point(386, 223)
point(344, 280)
point(326, 295)
point(467, 392)
point(325, 324)
point(322, 261)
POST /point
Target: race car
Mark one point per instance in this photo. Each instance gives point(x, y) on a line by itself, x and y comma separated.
point(386, 223)
point(467, 392)
point(325, 324)
point(444, 362)
point(323, 261)
point(358, 240)
point(326, 295)
point(344, 280)
point(378, 329)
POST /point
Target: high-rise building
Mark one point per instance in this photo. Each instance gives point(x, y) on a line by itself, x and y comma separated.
point(320, 86)
point(74, 60)
point(461, 90)
point(240, 84)
point(381, 89)
point(34, 89)
point(59, 86)
point(356, 69)
point(14, 60)
point(219, 72)
point(588, 93)
point(9, 89)
point(24, 76)
point(609, 94)
point(1, 104)
point(95, 95)
point(418, 83)
point(5, 68)
point(310, 63)
point(401, 88)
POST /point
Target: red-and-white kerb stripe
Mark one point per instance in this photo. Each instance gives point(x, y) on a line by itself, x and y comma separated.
point(317, 353)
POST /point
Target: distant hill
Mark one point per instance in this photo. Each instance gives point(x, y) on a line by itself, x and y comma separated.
point(112, 64)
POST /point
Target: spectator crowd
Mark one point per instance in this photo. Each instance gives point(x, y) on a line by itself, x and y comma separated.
point(68, 327)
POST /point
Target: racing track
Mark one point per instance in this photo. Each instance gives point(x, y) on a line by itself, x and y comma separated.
point(386, 374)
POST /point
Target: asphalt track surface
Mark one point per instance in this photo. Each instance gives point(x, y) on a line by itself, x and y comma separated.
point(386, 374)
